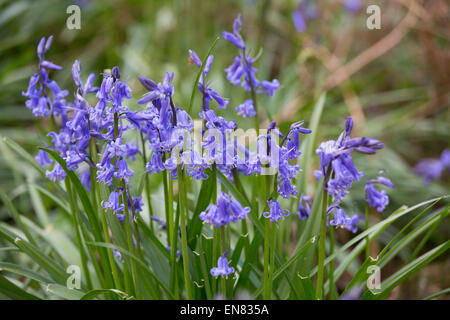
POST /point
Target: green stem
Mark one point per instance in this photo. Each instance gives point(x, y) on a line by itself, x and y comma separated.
point(331, 270)
point(147, 182)
point(223, 280)
point(321, 256)
point(272, 259)
point(131, 247)
point(367, 227)
point(184, 246)
point(266, 293)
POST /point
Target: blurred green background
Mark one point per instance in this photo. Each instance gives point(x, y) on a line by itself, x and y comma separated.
point(395, 81)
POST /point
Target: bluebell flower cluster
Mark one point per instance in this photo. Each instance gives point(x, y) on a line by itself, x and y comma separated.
point(304, 207)
point(337, 167)
point(92, 139)
point(44, 95)
point(242, 72)
point(287, 151)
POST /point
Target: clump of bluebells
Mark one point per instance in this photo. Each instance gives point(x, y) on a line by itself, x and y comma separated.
point(91, 131)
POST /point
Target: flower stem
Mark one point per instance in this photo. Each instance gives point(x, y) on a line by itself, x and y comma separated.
point(147, 181)
point(266, 293)
point(321, 256)
point(184, 246)
point(331, 270)
point(367, 227)
point(271, 259)
point(222, 245)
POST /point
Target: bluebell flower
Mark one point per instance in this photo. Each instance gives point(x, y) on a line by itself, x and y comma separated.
point(353, 6)
point(117, 254)
point(178, 254)
point(225, 211)
point(155, 165)
point(121, 217)
point(222, 268)
point(431, 169)
point(340, 219)
point(113, 202)
point(57, 173)
point(246, 110)
point(445, 158)
point(73, 158)
point(275, 212)
point(293, 139)
point(305, 11)
point(85, 179)
point(43, 159)
point(304, 207)
point(123, 172)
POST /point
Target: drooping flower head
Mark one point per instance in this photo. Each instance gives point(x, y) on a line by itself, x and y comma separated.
point(275, 212)
point(378, 199)
point(341, 220)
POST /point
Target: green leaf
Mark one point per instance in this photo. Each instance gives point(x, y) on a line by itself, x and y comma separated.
point(143, 265)
point(55, 271)
point(282, 269)
point(24, 154)
point(64, 292)
point(437, 294)
point(98, 292)
point(397, 278)
point(13, 292)
point(16, 216)
point(22, 271)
